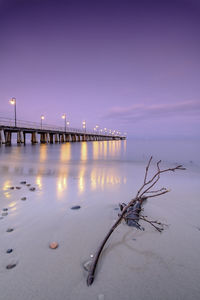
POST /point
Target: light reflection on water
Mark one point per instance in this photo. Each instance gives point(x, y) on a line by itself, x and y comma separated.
point(89, 165)
point(85, 163)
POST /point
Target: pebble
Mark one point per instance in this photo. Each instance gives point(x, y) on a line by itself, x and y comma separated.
point(32, 189)
point(12, 188)
point(116, 208)
point(75, 207)
point(53, 245)
point(87, 264)
point(101, 297)
point(23, 198)
point(4, 214)
point(18, 187)
point(28, 184)
point(9, 230)
point(10, 266)
point(5, 209)
point(9, 250)
point(23, 182)
point(1, 218)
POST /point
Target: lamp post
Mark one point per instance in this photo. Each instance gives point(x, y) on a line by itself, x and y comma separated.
point(64, 118)
point(84, 125)
point(13, 102)
point(42, 118)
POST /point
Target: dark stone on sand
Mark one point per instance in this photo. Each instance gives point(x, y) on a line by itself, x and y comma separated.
point(28, 184)
point(12, 188)
point(1, 218)
point(4, 214)
point(9, 251)
point(18, 187)
point(9, 230)
point(23, 198)
point(5, 209)
point(10, 266)
point(32, 189)
point(23, 182)
point(75, 207)
point(116, 208)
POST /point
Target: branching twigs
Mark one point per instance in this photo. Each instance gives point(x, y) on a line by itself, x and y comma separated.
point(160, 229)
point(140, 197)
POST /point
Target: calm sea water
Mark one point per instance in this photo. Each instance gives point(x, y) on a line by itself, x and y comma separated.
point(89, 166)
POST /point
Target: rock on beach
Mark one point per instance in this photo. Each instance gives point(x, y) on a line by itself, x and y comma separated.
point(76, 207)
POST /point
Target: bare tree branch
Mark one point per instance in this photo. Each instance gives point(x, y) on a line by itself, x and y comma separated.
point(140, 198)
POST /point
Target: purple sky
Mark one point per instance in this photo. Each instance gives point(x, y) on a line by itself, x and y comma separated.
point(133, 66)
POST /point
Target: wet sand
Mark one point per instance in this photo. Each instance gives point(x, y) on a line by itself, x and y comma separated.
point(135, 264)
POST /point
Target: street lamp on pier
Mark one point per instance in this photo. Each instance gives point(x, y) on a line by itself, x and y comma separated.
point(13, 102)
point(42, 118)
point(84, 125)
point(64, 118)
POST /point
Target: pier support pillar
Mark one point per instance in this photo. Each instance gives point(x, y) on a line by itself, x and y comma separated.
point(73, 137)
point(19, 137)
point(61, 138)
point(67, 137)
point(56, 138)
point(51, 138)
point(2, 137)
point(43, 138)
point(8, 137)
point(34, 137)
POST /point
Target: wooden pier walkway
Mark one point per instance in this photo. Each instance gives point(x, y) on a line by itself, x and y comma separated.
point(49, 134)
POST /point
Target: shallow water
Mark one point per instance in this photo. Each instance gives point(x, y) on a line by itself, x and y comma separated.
point(97, 176)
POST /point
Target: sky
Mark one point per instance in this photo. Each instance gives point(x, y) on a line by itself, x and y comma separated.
point(132, 66)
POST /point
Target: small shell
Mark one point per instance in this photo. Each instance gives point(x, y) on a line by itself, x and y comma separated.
point(53, 245)
point(87, 264)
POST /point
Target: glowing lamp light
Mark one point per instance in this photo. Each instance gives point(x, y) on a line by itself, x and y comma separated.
point(13, 101)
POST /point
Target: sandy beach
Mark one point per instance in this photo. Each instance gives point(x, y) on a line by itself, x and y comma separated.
point(97, 176)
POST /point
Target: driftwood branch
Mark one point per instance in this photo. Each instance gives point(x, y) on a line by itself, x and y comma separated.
point(133, 208)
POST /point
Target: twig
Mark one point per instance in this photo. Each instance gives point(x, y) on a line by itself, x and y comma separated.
point(151, 222)
point(140, 196)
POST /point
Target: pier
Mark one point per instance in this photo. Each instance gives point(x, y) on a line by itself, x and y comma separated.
point(49, 134)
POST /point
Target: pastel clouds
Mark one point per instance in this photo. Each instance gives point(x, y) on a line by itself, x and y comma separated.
point(141, 111)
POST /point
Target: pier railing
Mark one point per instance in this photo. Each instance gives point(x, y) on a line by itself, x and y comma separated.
point(9, 122)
